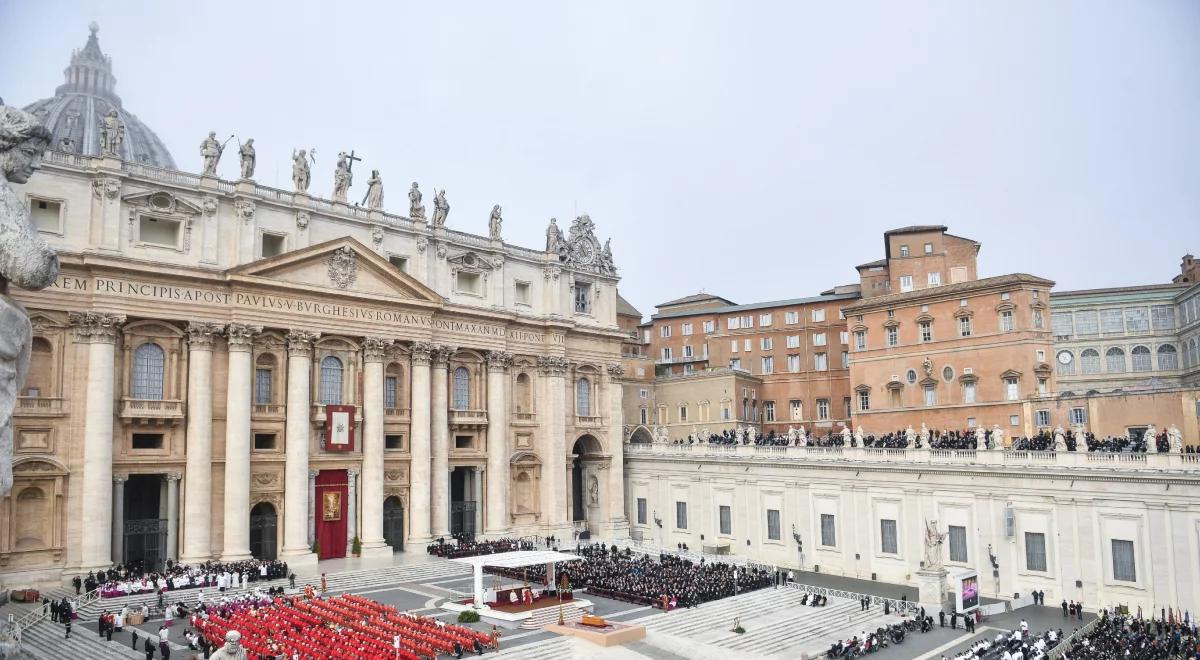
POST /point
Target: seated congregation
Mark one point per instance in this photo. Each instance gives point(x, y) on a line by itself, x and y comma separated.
point(462, 546)
point(132, 579)
point(667, 582)
point(1119, 636)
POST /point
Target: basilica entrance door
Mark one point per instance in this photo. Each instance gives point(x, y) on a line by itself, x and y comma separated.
point(393, 523)
point(330, 512)
point(263, 525)
point(145, 542)
point(462, 502)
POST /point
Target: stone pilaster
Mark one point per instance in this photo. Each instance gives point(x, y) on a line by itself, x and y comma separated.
point(99, 331)
point(553, 427)
point(312, 507)
point(296, 547)
point(418, 505)
point(118, 518)
point(496, 520)
point(374, 351)
point(197, 494)
point(619, 524)
point(439, 425)
point(239, 396)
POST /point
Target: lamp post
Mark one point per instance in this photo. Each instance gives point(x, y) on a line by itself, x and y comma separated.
point(799, 545)
point(658, 523)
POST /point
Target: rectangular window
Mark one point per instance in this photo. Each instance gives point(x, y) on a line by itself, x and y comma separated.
point(791, 317)
point(958, 274)
point(46, 215)
point(710, 327)
point(844, 337)
point(1041, 417)
point(471, 283)
point(664, 331)
point(521, 293)
point(1162, 317)
point(262, 386)
point(158, 231)
point(768, 365)
point(735, 363)
point(1137, 319)
point(643, 394)
point(1124, 566)
point(864, 400)
point(1111, 321)
point(1061, 323)
point(822, 409)
point(264, 441)
point(964, 326)
point(1035, 551)
point(845, 359)
point(725, 514)
point(393, 442)
point(147, 441)
point(271, 245)
point(893, 336)
point(860, 340)
point(968, 392)
point(1078, 416)
point(930, 395)
point(926, 328)
point(683, 413)
point(681, 515)
point(828, 531)
point(390, 387)
point(687, 350)
point(773, 531)
point(904, 250)
point(1012, 390)
point(1087, 323)
point(929, 248)
point(793, 341)
point(1043, 387)
point(764, 320)
point(583, 298)
point(1006, 321)
point(887, 536)
point(818, 315)
point(820, 362)
point(686, 330)
point(746, 345)
point(747, 322)
point(641, 511)
point(731, 323)
point(733, 346)
point(935, 279)
point(645, 416)
point(819, 339)
point(906, 283)
point(401, 263)
point(766, 343)
point(768, 411)
point(666, 353)
point(958, 544)
point(1039, 319)
point(797, 408)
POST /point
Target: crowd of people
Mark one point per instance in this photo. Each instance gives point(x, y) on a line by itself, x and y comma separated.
point(1126, 636)
point(641, 579)
point(1016, 644)
point(128, 579)
point(464, 547)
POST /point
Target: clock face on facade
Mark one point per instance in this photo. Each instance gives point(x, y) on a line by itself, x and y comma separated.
point(584, 252)
point(1064, 357)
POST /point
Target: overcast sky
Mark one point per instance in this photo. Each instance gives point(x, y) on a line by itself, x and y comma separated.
point(750, 149)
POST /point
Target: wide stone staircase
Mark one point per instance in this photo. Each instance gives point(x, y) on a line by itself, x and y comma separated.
point(557, 648)
point(548, 615)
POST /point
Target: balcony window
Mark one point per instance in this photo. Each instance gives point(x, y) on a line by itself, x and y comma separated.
point(583, 397)
point(462, 389)
point(262, 385)
point(330, 388)
point(148, 362)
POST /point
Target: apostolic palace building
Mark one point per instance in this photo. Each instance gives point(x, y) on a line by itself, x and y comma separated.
point(225, 369)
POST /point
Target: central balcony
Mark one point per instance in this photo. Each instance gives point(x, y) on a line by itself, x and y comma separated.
point(151, 411)
point(468, 418)
point(588, 420)
point(318, 415)
point(269, 411)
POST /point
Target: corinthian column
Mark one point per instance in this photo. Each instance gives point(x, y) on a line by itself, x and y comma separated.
point(616, 449)
point(238, 397)
point(299, 404)
point(496, 520)
point(439, 507)
point(374, 350)
point(197, 478)
point(99, 331)
point(418, 497)
point(554, 486)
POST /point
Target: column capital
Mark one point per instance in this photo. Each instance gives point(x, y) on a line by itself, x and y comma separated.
point(375, 348)
point(120, 478)
point(312, 474)
point(300, 342)
point(240, 336)
point(421, 352)
point(96, 327)
point(553, 365)
point(173, 476)
point(499, 361)
point(352, 473)
point(442, 353)
point(202, 333)
point(616, 371)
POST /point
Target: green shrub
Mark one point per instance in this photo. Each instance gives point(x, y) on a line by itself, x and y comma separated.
point(468, 616)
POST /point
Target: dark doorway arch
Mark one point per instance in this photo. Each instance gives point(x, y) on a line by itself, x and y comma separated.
point(393, 523)
point(264, 523)
point(145, 533)
point(586, 446)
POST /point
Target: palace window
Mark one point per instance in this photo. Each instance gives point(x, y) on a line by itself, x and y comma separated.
point(791, 317)
point(1090, 359)
point(887, 536)
point(1114, 359)
point(393, 442)
point(926, 330)
point(146, 441)
point(462, 389)
point(664, 331)
point(819, 339)
point(1124, 566)
point(1140, 357)
point(930, 395)
point(929, 248)
point(1167, 358)
point(822, 409)
point(644, 415)
point(964, 326)
point(766, 343)
point(330, 384)
point(1012, 390)
point(845, 359)
point(262, 384)
point(820, 362)
point(764, 320)
point(893, 336)
point(968, 392)
point(768, 411)
point(818, 315)
point(735, 363)
point(683, 413)
point(666, 352)
point(958, 543)
point(264, 441)
point(390, 390)
point(904, 250)
point(725, 514)
point(1006, 321)
point(681, 515)
point(1078, 416)
point(906, 283)
point(797, 407)
point(864, 400)
point(860, 340)
point(641, 511)
point(687, 350)
point(685, 329)
point(828, 530)
point(935, 279)
point(148, 362)
point(1041, 418)
point(773, 531)
point(710, 327)
point(768, 365)
point(1035, 551)
point(844, 337)
point(583, 397)
point(793, 341)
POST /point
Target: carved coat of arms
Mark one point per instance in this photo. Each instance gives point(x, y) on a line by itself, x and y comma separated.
point(343, 268)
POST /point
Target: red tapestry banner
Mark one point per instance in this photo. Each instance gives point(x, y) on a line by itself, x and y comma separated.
point(339, 428)
point(330, 511)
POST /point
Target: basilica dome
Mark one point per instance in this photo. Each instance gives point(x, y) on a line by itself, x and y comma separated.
point(76, 112)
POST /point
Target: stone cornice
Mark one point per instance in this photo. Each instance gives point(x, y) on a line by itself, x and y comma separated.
point(96, 327)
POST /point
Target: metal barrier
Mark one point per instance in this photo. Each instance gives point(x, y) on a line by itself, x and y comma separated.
point(896, 605)
point(1065, 644)
point(40, 613)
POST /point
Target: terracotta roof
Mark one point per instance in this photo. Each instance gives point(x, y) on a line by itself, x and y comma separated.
point(913, 229)
point(695, 297)
point(626, 309)
point(873, 264)
point(947, 290)
point(762, 305)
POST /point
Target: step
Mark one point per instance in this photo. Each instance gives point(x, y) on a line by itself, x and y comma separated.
point(550, 649)
point(47, 641)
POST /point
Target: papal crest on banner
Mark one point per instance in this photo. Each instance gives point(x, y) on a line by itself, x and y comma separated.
point(339, 428)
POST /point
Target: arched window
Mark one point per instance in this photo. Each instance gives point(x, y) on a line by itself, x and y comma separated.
point(1114, 360)
point(148, 371)
point(1167, 358)
point(1090, 359)
point(583, 397)
point(462, 389)
point(1140, 357)
point(331, 381)
point(521, 398)
point(1194, 351)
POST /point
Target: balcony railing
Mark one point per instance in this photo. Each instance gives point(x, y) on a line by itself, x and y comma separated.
point(527, 417)
point(269, 410)
point(151, 410)
point(318, 414)
point(682, 359)
point(468, 417)
point(39, 406)
point(395, 412)
point(1072, 460)
point(588, 420)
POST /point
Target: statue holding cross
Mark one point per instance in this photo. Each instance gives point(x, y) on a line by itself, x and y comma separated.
point(343, 175)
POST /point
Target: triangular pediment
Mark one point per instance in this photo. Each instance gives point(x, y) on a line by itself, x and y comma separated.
point(162, 201)
point(339, 265)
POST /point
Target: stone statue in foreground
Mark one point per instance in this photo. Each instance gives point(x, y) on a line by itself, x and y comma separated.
point(25, 260)
point(933, 545)
point(232, 650)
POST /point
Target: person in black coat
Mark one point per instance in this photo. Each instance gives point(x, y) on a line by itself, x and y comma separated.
point(149, 648)
point(133, 631)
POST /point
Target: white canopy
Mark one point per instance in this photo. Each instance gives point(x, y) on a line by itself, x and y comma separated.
point(518, 558)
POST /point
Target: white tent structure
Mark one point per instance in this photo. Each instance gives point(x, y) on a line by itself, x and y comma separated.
point(517, 559)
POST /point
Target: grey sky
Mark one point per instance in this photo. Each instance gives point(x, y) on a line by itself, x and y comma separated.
point(755, 150)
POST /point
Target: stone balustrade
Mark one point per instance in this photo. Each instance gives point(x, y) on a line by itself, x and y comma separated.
point(941, 457)
point(39, 406)
point(151, 409)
